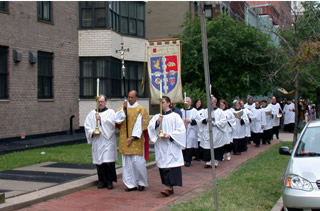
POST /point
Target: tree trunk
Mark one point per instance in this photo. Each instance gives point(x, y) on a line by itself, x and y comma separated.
point(296, 102)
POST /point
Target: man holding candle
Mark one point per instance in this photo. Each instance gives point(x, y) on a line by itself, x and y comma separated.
point(168, 149)
point(132, 148)
point(104, 145)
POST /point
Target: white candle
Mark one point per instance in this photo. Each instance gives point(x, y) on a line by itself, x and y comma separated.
point(98, 81)
point(160, 88)
point(185, 97)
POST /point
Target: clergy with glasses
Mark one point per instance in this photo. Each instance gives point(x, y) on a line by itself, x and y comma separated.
point(191, 119)
point(104, 145)
point(168, 149)
point(133, 120)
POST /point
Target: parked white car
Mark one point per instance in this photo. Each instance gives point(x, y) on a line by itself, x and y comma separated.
point(301, 181)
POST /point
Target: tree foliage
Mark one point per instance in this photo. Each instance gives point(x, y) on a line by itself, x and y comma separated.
point(300, 47)
point(234, 52)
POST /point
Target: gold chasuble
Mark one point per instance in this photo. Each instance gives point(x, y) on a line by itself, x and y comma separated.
point(136, 147)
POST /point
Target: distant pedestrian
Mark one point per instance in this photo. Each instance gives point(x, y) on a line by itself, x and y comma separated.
point(104, 146)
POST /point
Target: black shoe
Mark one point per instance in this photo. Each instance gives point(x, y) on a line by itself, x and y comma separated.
point(268, 142)
point(109, 185)
point(188, 164)
point(257, 145)
point(101, 185)
point(131, 189)
point(207, 166)
point(141, 188)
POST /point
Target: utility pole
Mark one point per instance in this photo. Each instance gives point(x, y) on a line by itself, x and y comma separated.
point(208, 92)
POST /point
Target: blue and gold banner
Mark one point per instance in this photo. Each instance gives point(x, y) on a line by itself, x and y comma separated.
point(164, 63)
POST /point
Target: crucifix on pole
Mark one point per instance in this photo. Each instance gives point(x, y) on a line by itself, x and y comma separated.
point(122, 50)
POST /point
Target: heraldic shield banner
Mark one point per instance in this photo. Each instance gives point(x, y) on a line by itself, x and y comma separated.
point(164, 63)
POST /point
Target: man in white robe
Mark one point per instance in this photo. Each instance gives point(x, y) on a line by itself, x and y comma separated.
point(104, 146)
point(191, 119)
point(289, 116)
point(248, 111)
point(219, 133)
point(168, 149)
point(134, 172)
point(268, 128)
point(258, 123)
point(277, 114)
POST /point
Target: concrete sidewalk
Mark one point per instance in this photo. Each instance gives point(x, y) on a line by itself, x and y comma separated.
point(196, 179)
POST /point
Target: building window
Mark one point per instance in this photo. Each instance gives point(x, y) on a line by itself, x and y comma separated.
point(208, 11)
point(44, 11)
point(124, 17)
point(45, 75)
point(3, 72)
point(4, 6)
point(92, 14)
point(108, 70)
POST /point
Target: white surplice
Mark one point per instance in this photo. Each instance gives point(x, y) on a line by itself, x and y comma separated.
point(219, 129)
point(104, 146)
point(192, 130)
point(200, 132)
point(168, 153)
point(260, 120)
point(249, 113)
point(134, 171)
point(231, 120)
point(276, 110)
point(240, 130)
point(269, 121)
point(289, 113)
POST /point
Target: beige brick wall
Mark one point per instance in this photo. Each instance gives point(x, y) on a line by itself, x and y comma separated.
point(164, 18)
point(22, 112)
point(106, 42)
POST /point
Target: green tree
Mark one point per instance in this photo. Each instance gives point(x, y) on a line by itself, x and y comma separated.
point(236, 65)
point(300, 54)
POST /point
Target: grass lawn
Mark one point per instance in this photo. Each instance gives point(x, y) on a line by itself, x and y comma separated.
point(256, 185)
point(78, 153)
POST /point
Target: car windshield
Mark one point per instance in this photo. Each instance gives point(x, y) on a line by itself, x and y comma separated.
point(309, 144)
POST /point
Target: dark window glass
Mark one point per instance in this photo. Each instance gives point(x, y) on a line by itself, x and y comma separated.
point(108, 70)
point(123, 17)
point(44, 10)
point(93, 14)
point(4, 6)
point(45, 75)
point(3, 72)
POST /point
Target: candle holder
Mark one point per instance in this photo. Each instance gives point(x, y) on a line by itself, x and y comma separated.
point(161, 134)
point(97, 131)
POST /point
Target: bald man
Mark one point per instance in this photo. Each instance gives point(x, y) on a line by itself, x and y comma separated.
point(135, 117)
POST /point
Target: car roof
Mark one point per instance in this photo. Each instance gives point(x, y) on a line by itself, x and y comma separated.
point(314, 123)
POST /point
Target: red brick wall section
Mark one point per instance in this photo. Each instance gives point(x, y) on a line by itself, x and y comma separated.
point(20, 29)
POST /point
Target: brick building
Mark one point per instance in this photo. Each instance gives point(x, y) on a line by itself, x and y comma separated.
point(103, 27)
point(39, 67)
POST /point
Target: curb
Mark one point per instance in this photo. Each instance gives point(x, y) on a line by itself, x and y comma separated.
point(29, 199)
point(278, 206)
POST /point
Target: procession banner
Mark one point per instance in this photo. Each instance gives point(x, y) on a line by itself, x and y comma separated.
point(164, 62)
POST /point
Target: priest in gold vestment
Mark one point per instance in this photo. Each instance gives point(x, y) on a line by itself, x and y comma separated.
point(131, 142)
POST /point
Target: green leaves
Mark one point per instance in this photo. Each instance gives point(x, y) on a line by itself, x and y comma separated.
point(234, 51)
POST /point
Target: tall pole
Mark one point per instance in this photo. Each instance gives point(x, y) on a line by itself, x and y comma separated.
point(208, 92)
point(123, 68)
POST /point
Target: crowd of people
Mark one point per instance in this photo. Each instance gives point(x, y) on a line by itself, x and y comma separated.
point(232, 128)
point(180, 136)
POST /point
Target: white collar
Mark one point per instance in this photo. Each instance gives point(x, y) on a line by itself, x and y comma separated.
point(133, 106)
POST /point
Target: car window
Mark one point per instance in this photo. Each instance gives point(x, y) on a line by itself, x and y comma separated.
point(309, 144)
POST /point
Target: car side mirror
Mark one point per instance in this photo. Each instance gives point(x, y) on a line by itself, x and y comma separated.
point(285, 151)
